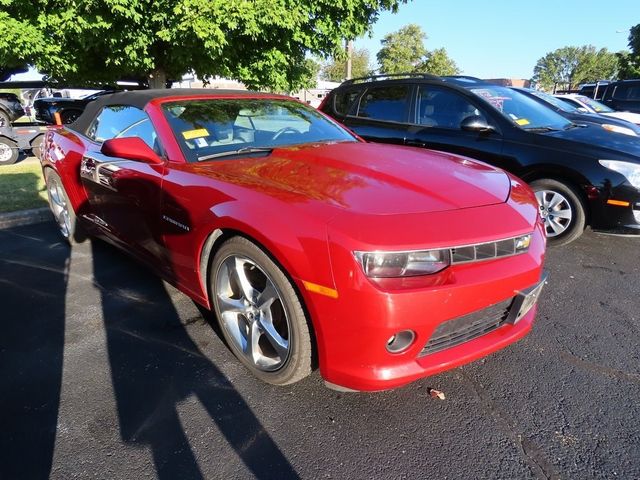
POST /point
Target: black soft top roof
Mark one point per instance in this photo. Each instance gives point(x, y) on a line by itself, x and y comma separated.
point(140, 99)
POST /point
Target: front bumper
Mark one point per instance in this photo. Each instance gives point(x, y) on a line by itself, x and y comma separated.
point(358, 324)
point(616, 210)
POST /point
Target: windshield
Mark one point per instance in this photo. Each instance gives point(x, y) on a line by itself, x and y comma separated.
point(215, 128)
point(523, 111)
point(556, 102)
point(595, 105)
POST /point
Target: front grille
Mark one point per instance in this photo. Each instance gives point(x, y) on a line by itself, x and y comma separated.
point(485, 251)
point(462, 329)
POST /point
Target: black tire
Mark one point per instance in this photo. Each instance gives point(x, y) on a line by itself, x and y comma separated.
point(70, 230)
point(36, 146)
point(70, 116)
point(298, 363)
point(9, 153)
point(575, 227)
point(5, 121)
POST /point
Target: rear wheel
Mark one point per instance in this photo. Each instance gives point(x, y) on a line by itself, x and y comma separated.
point(62, 209)
point(562, 210)
point(70, 116)
point(260, 314)
point(5, 121)
point(8, 152)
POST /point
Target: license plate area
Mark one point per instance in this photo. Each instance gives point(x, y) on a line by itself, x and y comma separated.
point(525, 300)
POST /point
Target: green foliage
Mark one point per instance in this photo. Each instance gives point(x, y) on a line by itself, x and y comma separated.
point(629, 62)
point(402, 51)
point(439, 63)
point(263, 43)
point(570, 66)
point(334, 70)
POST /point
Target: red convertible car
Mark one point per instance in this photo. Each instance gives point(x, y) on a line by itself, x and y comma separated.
point(379, 264)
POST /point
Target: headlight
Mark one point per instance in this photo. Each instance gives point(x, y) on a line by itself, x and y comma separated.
point(403, 264)
point(619, 129)
point(630, 170)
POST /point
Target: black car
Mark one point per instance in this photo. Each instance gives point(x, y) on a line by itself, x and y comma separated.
point(623, 96)
point(10, 108)
point(61, 111)
point(582, 174)
point(573, 113)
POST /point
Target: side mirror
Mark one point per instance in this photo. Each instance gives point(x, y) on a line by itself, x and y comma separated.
point(131, 148)
point(476, 123)
point(583, 110)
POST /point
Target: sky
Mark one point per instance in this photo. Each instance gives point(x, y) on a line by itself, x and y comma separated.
point(505, 39)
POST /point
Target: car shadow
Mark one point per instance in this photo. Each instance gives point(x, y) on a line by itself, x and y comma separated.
point(34, 270)
point(155, 365)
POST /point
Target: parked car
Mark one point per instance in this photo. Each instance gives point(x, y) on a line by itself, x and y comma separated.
point(10, 109)
point(308, 243)
point(582, 175)
point(579, 114)
point(593, 106)
point(62, 111)
point(623, 96)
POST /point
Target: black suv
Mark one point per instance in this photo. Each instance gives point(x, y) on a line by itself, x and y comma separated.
point(623, 96)
point(62, 111)
point(582, 174)
point(10, 108)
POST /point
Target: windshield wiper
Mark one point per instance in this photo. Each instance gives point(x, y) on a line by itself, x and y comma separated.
point(239, 151)
point(541, 129)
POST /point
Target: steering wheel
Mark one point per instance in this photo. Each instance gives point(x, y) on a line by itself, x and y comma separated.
point(282, 131)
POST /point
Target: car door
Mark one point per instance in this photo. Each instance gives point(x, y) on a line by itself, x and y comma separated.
point(382, 115)
point(439, 112)
point(124, 194)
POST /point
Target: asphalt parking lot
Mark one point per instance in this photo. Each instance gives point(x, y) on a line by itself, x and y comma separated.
point(109, 373)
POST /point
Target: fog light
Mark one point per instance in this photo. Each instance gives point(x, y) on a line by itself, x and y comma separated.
point(399, 342)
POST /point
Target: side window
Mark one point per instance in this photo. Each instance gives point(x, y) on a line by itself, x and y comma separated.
point(344, 99)
point(385, 103)
point(443, 108)
point(633, 93)
point(123, 121)
point(621, 92)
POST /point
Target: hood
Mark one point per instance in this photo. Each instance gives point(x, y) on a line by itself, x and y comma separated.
point(628, 116)
point(598, 139)
point(367, 178)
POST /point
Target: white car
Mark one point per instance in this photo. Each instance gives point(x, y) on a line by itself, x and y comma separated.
point(589, 105)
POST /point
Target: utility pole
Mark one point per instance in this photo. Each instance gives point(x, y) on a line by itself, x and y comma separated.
point(349, 48)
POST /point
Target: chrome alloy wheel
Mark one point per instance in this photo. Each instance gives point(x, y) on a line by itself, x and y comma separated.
point(58, 204)
point(555, 211)
point(252, 313)
point(5, 152)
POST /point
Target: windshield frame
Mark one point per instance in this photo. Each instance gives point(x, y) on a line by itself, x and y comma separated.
point(334, 132)
point(553, 101)
point(546, 118)
point(594, 104)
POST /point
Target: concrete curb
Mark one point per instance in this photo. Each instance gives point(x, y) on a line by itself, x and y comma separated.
point(24, 217)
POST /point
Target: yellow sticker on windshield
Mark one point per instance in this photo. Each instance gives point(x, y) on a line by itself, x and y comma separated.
point(198, 133)
point(522, 121)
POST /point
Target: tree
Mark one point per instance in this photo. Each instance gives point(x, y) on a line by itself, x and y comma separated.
point(402, 51)
point(259, 42)
point(438, 62)
point(334, 69)
point(629, 62)
point(20, 38)
point(570, 66)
